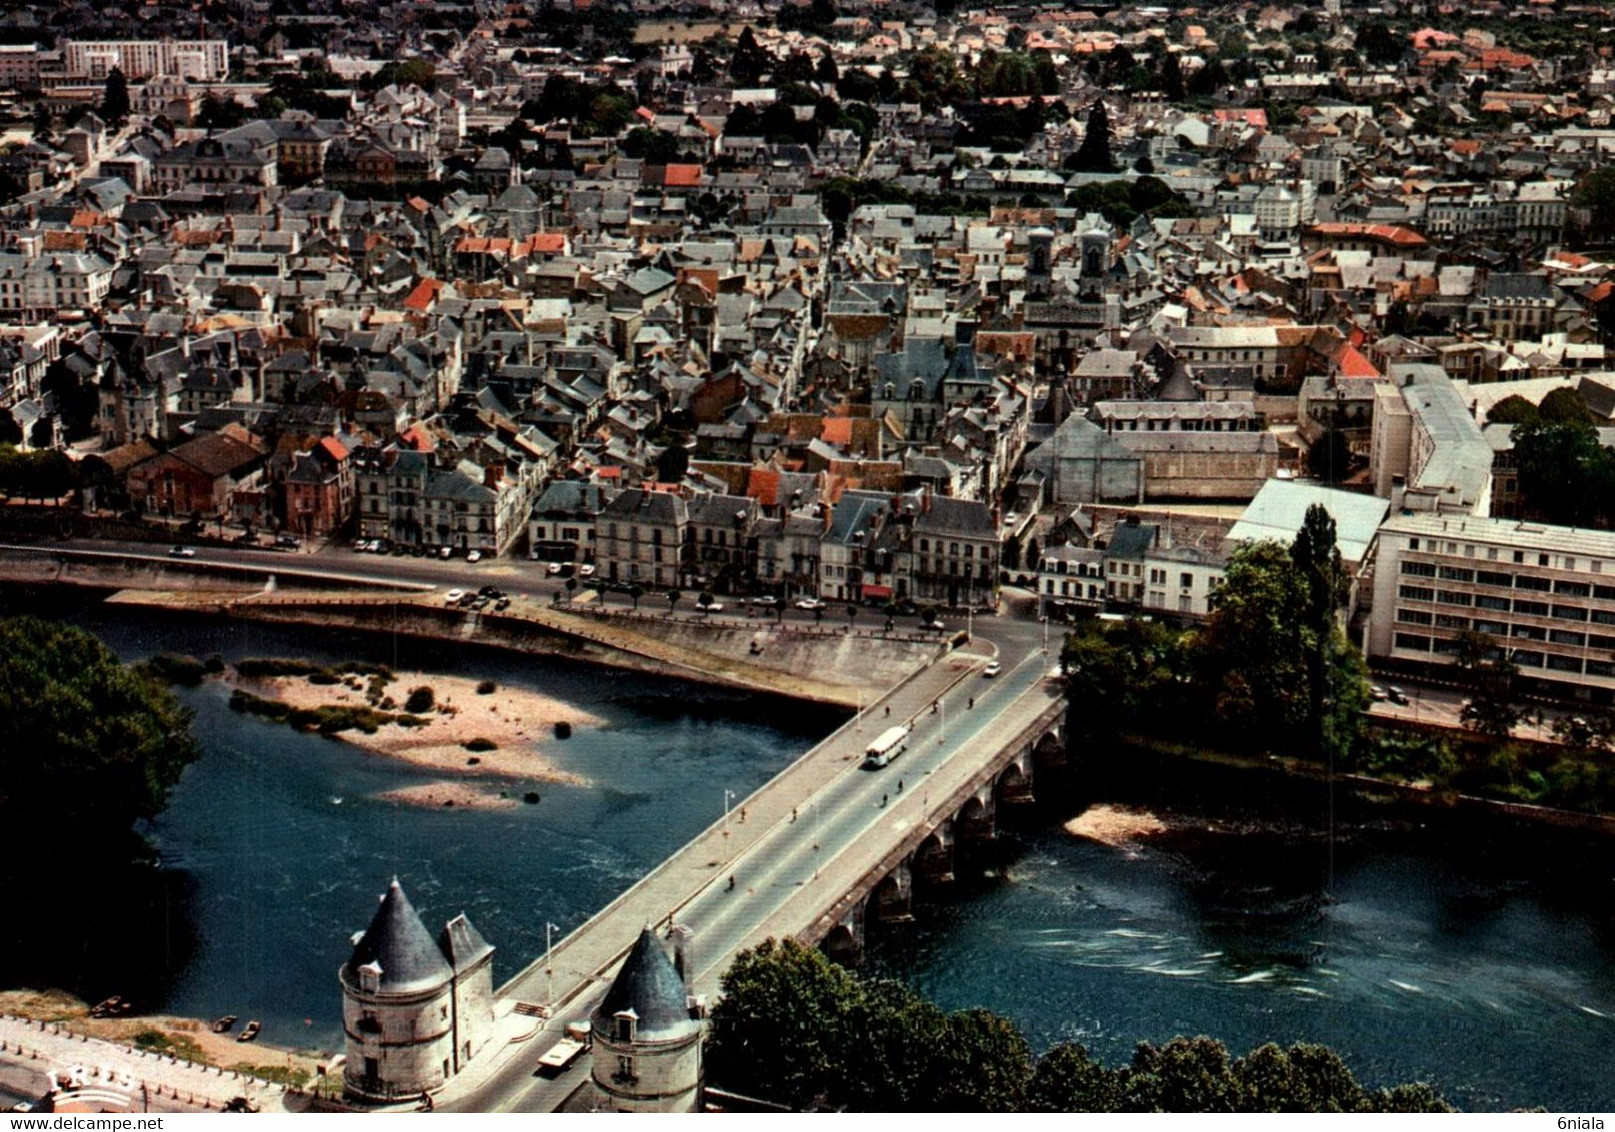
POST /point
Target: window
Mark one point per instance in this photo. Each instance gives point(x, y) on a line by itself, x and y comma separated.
point(1565, 663)
point(1527, 582)
point(1533, 608)
point(1454, 574)
point(1186, 581)
point(1573, 589)
point(1448, 621)
point(1494, 578)
point(1500, 604)
point(1495, 628)
point(1569, 613)
point(1527, 658)
point(1412, 641)
point(1416, 593)
point(1566, 637)
point(1530, 633)
point(1448, 598)
point(1419, 569)
point(1413, 616)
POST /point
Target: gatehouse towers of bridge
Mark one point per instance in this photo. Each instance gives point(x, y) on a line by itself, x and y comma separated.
point(647, 1036)
point(415, 1010)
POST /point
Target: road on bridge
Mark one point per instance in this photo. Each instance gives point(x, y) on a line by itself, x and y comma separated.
point(788, 872)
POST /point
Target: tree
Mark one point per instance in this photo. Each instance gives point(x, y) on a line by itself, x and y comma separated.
point(1172, 78)
point(1323, 583)
point(852, 615)
point(1490, 674)
point(115, 98)
point(1564, 471)
point(1093, 156)
point(1329, 459)
point(10, 430)
point(1513, 409)
point(1252, 656)
point(826, 71)
point(635, 592)
point(1379, 45)
point(1564, 406)
point(1595, 194)
point(673, 599)
point(1068, 1080)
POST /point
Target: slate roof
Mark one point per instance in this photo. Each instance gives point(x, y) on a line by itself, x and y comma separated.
point(398, 943)
point(648, 985)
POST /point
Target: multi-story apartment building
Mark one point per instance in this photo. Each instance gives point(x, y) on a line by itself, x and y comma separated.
point(1545, 595)
point(200, 60)
point(641, 538)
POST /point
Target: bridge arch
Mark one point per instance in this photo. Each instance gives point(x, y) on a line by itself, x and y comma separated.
point(977, 820)
point(933, 860)
point(891, 902)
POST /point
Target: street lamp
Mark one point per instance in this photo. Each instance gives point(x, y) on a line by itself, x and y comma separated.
point(942, 722)
point(1045, 620)
point(818, 836)
point(858, 720)
point(549, 969)
point(728, 796)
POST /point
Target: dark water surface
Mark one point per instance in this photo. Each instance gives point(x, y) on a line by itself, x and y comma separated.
point(1480, 960)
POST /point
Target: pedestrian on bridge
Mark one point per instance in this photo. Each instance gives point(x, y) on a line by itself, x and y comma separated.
point(899, 785)
point(883, 801)
point(793, 813)
point(972, 703)
point(888, 710)
point(731, 882)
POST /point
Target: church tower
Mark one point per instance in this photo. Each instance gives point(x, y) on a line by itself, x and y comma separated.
point(647, 1037)
point(414, 1010)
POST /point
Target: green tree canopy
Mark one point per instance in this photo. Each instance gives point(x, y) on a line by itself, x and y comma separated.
point(115, 98)
point(1093, 155)
point(794, 1028)
point(1512, 409)
point(90, 744)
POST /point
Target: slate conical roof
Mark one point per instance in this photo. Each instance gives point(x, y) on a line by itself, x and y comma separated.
point(400, 945)
point(649, 985)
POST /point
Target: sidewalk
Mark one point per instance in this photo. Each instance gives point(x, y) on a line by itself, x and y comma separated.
point(171, 1084)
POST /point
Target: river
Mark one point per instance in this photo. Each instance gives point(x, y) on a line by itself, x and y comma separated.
point(1456, 957)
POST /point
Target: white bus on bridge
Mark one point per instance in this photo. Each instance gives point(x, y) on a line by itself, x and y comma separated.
point(886, 747)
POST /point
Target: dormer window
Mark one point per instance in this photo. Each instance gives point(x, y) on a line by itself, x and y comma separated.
point(370, 977)
point(625, 1025)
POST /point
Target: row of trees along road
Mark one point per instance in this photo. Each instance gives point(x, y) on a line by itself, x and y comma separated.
point(796, 1029)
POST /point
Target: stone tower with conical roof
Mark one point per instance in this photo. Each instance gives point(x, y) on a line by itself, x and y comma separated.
point(647, 1036)
point(415, 1010)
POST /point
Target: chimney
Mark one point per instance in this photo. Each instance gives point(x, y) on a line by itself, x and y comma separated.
point(683, 953)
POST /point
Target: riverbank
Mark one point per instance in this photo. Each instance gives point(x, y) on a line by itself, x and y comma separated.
point(190, 1039)
point(465, 727)
point(1369, 788)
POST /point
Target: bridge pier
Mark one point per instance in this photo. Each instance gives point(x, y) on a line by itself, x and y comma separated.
point(893, 900)
point(1015, 783)
point(845, 943)
point(934, 858)
point(977, 820)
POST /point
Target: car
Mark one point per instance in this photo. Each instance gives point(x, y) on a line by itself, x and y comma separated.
point(710, 607)
point(993, 669)
point(1011, 519)
point(444, 552)
point(502, 604)
point(487, 591)
point(453, 597)
point(400, 550)
point(934, 626)
point(586, 570)
point(1395, 694)
point(474, 556)
point(382, 546)
point(1377, 694)
point(181, 552)
point(246, 538)
point(809, 603)
point(553, 569)
point(287, 542)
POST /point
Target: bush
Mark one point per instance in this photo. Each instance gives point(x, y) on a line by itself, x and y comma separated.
point(326, 678)
point(174, 1045)
point(214, 664)
point(480, 744)
point(421, 699)
point(173, 668)
point(531, 797)
point(487, 688)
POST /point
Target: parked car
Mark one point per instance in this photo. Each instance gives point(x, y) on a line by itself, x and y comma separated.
point(502, 604)
point(993, 669)
point(586, 570)
point(181, 552)
point(1395, 694)
point(287, 542)
point(710, 607)
point(1377, 694)
point(553, 569)
point(453, 597)
point(474, 557)
point(444, 552)
point(809, 604)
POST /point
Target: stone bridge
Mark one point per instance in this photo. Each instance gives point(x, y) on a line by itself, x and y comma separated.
point(966, 817)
